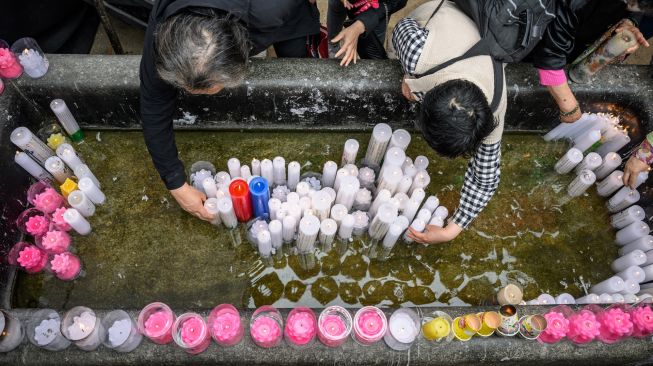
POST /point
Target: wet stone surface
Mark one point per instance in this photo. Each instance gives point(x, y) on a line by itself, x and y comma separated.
point(145, 248)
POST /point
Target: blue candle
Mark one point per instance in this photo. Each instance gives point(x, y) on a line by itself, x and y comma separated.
point(260, 194)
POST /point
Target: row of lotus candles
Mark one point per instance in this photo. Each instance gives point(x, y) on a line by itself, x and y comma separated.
point(333, 327)
point(601, 133)
point(281, 207)
point(54, 214)
point(24, 55)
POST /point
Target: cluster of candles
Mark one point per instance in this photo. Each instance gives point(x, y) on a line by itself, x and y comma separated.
point(64, 196)
point(281, 207)
point(24, 55)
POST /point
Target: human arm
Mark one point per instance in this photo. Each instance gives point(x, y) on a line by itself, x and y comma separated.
point(640, 161)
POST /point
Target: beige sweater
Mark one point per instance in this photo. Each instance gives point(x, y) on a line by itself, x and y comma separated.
point(451, 34)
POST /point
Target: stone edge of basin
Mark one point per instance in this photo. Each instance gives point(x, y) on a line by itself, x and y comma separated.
point(491, 351)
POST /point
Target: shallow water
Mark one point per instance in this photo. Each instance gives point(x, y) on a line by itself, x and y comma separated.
point(144, 247)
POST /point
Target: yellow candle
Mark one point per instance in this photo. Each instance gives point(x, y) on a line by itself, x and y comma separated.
point(436, 329)
point(55, 140)
point(67, 187)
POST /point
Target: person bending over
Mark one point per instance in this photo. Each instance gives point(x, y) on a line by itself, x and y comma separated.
point(201, 47)
point(456, 117)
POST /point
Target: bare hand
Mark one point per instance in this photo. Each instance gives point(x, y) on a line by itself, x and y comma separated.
point(192, 201)
point(347, 4)
point(633, 167)
point(405, 90)
point(435, 235)
point(626, 24)
point(349, 37)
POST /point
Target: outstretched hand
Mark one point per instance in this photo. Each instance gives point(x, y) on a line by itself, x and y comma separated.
point(434, 234)
point(349, 37)
point(192, 201)
point(627, 24)
point(633, 167)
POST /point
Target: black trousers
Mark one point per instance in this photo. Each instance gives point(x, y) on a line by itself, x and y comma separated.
point(291, 48)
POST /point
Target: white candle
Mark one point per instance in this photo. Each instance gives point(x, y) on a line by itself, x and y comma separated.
point(34, 63)
point(605, 299)
point(274, 204)
point(403, 222)
point(92, 191)
point(347, 192)
point(404, 184)
point(305, 203)
point(211, 206)
point(634, 258)
point(293, 197)
point(256, 167)
point(382, 196)
point(198, 177)
point(642, 177)
point(395, 202)
point(610, 184)
point(338, 212)
point(380, 225)
point(328, 229)
point(294, 171)
point(587, 140)
point(245, 173)
point(309, 227)
point(394, 157)
point(407, 162)
point(346, 226)
point(632, 232)
point(546, 299)
point(421, 163)
point(28, 142)
point(648, 273)
point(618, 299)
point(227, 214)
point(627, 217)
point(589, 299)
point(634, 273)
point(73, 218)
point(401, 198)
point(366, 177)
point(289, 228)
point(321, 204)
point(581, 183)
point(410, 170)
point(276, 233)
point(83, 171)
point(417, 225)
point(329, 173)
point(400, 138)
point(363, 200)
point(67, 153)
point(233, 165)
point(591, 162)
point(79, 201)
point(618, 141)
point(222, 179)
point(279, 166)
point(393, 234)
point(331, 192)
point(424, 215)
point(431, 204)
point(412, 206)
point(644, 244)
point(267, 171)
point(611, 162)
point(295, 210)
point(58, 169)
point(437, 221)
point(569, 161)
point(66, 118)
point(402, 327)
point(623, 198)
point(565, 299)
point(85, 331)
point(420, 181)
point(631, 299)
point(210, 188)
point(361, 223)
point(264, 244)
point(611, 285)
point(630, 287)
point(558, 131)
point(303, 189)
point(341, 173)
point(31, 166)
point(349, 152)
point(390, 178)
point(378, 144)
point(441, 212)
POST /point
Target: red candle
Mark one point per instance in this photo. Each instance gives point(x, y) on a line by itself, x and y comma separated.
point(239, 191)
point(9, 66)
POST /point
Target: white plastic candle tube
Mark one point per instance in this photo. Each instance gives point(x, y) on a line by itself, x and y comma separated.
point(587, 140)
point(431, 204)
point(264, 244)
point(648, 273)
point(303, 189)
point(222, 179)
point(363, 200)
point(276, 233)
point(558, 131)
point(79, 201)
point(233, 165)
point(382, 196)
point(420, 181)
point(274, 204)
point(417, 225)
point(401, 198)
point(341, 173)
point(623, 198)
point(378, 144)
point(83, 171)
point(400, 138)
point(390, 178)
point(627, 217)
point(634, 273)
point(437, 221)
point(289, 228)
point(421, 163)
point(630, 287)
point(349, 152)
point(605, 299)
point(412, 206)
point(305, 203)
point(29, 143)
point(245, 173)
point(294, 171)
point(394, 157)
point(581, 183)
point(441, 212)
point(295, 210)
point(66, 118)
point(418, 194)
point(346, 227)
point(328, 229)
point(211, 206)
point(632, 232)
point(634, 258)
point(366, 177)
point(591, 162)
point(611, 162)
point(618, 298)
point(610, 184)
point(565, 299)
point(292, 197)
point(589, 299)
point(309, 227)
point(393, 234)
point(569, 161)
point(210, 188)
point(407, 162)
point(73, 218)
point(279, 166)
point(404, 184)
point(631, 299)
point(338, 212)
point(267, 171)
point(321, 204)
point(329, 173)
point(611, 285)
point(642, 177)
point(256, 167)
point(67, 153)
point(92, 191)
point(347, 192)
point(410, 170)
point(644, 244)
point(55, 166)
point(386, 215)
point(31, 166)
point(424, 215)
point(615, 143)
point(227, 214)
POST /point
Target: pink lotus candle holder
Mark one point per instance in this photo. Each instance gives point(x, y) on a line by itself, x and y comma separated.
point(191, 333)
point(334, 326)
point(557, 325)
point(155, 322)
point(58, 221)
point(10, 68)
point(266, 326)
point(583, 327)
point(301, 327)
point(44, 198)
point(225, 325)
point(54, 242)
point(33, 222)
point(28, 257)
point(370, 325)
point(66, 266)
point(615, 324)
point(642, 317)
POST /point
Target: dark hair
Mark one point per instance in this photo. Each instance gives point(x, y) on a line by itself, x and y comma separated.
point(199, 48)
point(455, 118)
point(644, 6)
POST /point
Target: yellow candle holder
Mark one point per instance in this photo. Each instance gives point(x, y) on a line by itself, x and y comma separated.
point(67, 187)
point(437, 327)
point(464, 327)
point(490, 321)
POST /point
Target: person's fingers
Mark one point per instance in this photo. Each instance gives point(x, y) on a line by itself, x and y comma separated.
point(337, 38)
point(626, 176)
point(632, 180)
point(632, 49)
point(356, 56)
point(341, 51)
point(416, 235)
point(347, 58)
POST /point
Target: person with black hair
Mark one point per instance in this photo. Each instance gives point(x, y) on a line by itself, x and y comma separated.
point(456, 117)
point(201, 47)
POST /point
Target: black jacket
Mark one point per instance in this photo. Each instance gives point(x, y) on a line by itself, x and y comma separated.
point(371, 17)
point(268, 22)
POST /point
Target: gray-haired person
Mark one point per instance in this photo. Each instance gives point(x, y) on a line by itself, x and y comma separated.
point(201, 47)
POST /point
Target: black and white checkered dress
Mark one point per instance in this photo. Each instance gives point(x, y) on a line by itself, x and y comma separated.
point(484, 169)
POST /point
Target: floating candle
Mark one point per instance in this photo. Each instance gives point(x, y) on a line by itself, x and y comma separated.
point(370, 325)
point(29, 257)
point(437, 329)
point(122, 333)
point(225, 325)
point(155, 321)
point(66, 266)
point(265, 327)
point(55, 241)
point(81, 326)
point(44, 331)
point(583, 327)
point(403, 328)
point(615, 324)
point(334, 326)
point(641, 316)
point(10, 68)
point(11, 330)
point(301, 327)
point(510, 295)
point(32, 59)
point(191, 333)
